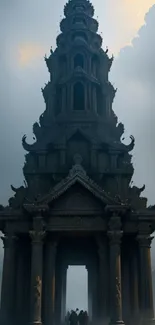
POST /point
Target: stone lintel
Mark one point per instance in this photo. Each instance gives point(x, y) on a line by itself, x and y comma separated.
point(119, 209)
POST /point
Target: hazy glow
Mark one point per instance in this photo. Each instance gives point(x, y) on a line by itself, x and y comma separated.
point(136, 10)
point(29, 52)
point(119, 22)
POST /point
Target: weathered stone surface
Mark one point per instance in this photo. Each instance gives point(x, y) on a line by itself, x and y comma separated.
point(77, 191)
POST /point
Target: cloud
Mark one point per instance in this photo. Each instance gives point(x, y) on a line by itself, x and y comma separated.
point(120, 20)
point(134, 74)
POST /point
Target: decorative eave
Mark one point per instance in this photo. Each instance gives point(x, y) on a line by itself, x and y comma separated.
point(119, 146)
point(10, 213)
point(42, 145)
point(145, 215)
point(28, 147)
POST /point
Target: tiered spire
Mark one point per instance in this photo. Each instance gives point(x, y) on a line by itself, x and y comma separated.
point(79, 118)
point(76, 6)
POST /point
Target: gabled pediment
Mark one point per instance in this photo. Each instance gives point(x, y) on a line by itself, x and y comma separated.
point(76, 179)
point(78, 133)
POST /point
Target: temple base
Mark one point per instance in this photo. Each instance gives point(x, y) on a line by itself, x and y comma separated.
point(36, 323)
point(119, 322)
point(148, 322)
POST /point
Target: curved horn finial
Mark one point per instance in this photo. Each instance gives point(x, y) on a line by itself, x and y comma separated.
point(13, 188)
point(130, 146)
point(142, 188)
point(25, 145)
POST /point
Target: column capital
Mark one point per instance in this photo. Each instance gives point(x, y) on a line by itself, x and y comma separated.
point(37, 236)
point(144, 240)
point(115, 237)
point(115, 222)
point(8, 240)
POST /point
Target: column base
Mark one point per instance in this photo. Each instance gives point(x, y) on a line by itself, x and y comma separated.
point(119, 322)
point(148, 321)
point(36, 323)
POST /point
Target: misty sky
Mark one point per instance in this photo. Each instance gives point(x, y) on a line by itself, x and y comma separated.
point(29, 29)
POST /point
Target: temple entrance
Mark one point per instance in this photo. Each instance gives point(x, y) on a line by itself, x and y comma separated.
point(77, 288)
point(73, 252)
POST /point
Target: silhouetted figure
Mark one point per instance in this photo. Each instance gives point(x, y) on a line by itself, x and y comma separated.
point(67, 318)
point(80, 317)
point(73, 319)
point(85, 318)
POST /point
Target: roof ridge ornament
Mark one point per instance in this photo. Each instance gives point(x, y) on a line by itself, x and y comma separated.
point(77, 168)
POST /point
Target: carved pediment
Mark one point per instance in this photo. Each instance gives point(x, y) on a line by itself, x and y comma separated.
point(85, 187)
point(77, 198)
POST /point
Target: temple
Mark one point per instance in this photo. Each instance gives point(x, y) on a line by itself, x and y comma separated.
point(77, 205)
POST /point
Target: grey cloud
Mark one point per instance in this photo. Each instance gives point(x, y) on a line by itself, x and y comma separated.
point(134, 74)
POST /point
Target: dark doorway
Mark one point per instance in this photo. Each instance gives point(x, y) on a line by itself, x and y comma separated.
point(78, 61)
point(79, 97)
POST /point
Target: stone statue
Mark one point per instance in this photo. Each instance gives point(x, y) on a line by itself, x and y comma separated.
point(37, 288)
point(18, 200)
point(118, 291)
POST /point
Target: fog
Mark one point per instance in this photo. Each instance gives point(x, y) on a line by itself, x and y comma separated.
point(28, 29)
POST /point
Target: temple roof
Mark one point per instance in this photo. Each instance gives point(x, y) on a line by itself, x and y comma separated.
point(77, 174)
point(58, 136)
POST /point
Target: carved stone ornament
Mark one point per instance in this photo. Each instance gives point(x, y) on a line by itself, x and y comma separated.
point(37, 290)
point(77, 168)
point(37, 236)
point(115, 237)
point(9, 240)
point(115, 223)
point(144, 240)
point(144, 228)
point(118, 292)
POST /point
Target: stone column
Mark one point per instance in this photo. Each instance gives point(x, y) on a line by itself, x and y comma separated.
point(37, 236)
point(94, 99)
point(8, 297)
point(115, 236)
point(58, 309)
point(49, 294)
point(126, 305)
point(134, 297)
point(93, 156)
point(146, 293)
point(64, 287)
point(103, 277)
point(20, 283)
point(90, 281)
point(86, 96)
point(93, 273)
point(64, 99)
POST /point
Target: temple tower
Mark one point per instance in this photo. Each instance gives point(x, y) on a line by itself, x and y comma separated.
point(78, 119)
point(77, 205)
